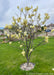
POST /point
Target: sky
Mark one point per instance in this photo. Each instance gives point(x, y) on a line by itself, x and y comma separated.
point(8, 8)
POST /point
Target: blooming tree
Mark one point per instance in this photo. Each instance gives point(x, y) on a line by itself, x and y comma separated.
point(26, 25)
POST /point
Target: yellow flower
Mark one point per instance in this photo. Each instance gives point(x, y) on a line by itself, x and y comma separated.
point(32, 26)
point(14, 19)
point(10, 42)
point(21, 9)
point(26, 25)
point(13, 23)
point(12, 35)
point(6, 26)
point(52, 30)
point(53, 69)
point(18, 7)
point(29, 16)
point(31, 6)
point(43, 22)
point(9, 26)
point(30, 50)
point(25, 21)
point(8, 35)
point(35, 9)
point(17, 29)
point(45, 28)
point(25, 33)
point(46, 38)
point(19, 19)
point(46, 16)
point(32, 14)
point(20, 31)
point(21, 45)
point(23, 53)
point(27, 8)
point(19, 35)
point(5, 32)
point(39, 17)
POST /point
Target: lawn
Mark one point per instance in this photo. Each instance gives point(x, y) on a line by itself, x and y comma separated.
point(11, 59)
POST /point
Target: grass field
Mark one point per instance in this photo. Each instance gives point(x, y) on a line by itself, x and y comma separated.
point(11, 59)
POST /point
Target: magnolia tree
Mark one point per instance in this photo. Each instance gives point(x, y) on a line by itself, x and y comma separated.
point(26, 25)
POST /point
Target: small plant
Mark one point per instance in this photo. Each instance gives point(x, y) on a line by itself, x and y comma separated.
point(26, 25)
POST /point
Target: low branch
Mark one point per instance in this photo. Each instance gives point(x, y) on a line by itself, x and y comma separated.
point(38, 44)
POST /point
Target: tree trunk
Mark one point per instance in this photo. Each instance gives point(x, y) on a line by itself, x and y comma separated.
point(27, 62)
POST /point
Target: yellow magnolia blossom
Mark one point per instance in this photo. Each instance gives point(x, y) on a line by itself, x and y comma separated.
point(19, 35)
point(25, 33)
point(18, 7)
point(43, 22)
point(21, 9)
point(6, 26)
point(21, 45)
point(32, 26)
point(39, 17)
point(13, 23)
point(29, 16)
point(46, 38)
point(10, 42)
point(5, 32)
point(23, 53)
point(20, 31)
point(45, 28)
point(53, 69)
point(19, 19)
point(17, 29)
point(35, 9)
point(32, 14)
point(27, 8)
point(46, 16)
point(30, 50)
point(31, 6)
point(14, 19)
point(9, 26)
point(26, 25)
point(8, 35)
point(25, 21)
point(52, 30)
point(12, 35)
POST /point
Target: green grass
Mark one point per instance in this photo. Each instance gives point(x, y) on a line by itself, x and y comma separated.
point(11, 59)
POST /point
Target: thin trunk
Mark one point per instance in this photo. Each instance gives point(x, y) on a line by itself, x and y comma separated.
point(27, 62)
